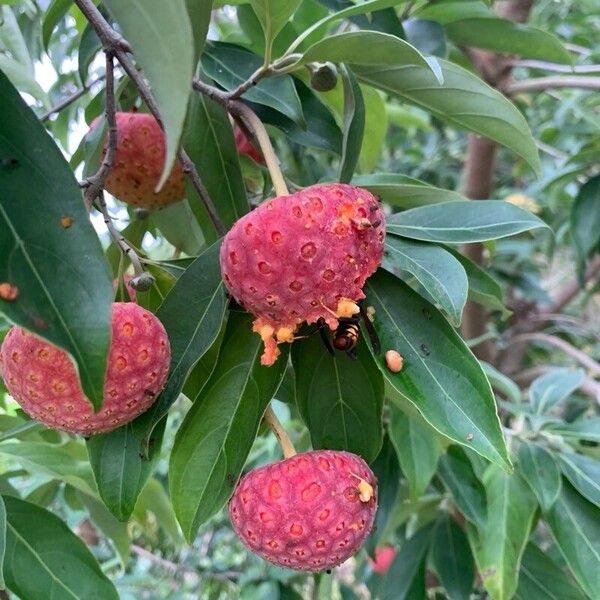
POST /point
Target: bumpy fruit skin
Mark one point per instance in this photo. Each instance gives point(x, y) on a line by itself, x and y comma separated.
point(138, 164)
point(244, 146)
point(310, 512)
point(384, 557)
point(303, 257)
point(43, 380)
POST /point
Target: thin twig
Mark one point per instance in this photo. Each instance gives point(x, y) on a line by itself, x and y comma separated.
point(552, 83)
point(72, 98)
point(95, 184)
point(557, 68)
point(557, 342)
point(111, 40)
point(280, 433)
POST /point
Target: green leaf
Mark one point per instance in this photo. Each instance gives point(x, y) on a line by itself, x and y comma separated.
point(456, 471)
point(440, 377)
point(418, 450)
point(22, 80)
point(585, 218)
point(501, 382)
point(404, 192)
point(463, 222)
point(273, 15)
point(452, 559)
point(463, 100)
point(45, 559)
point(483, 288)
point(376, 123)
point(192, 314)
point(114, 530)
point(554, 387)
point(63, 280)
point(231, 65)
point(177, 223)
point(122, 463)
point(348, 413)
point(354, 125)
point(405, 579)
point(54, 14)
point(199, 12)
point(584, 473)
point(89, 46)
point(500, 543)
point(65, 461)
point(427, 36)
point(2, 541)
point(437, 271)
point(507, 37)
point(163, 44)
point(209, 141)
point(349, 47)
point(154, 498)
point(11, 38)
point(575, 525)
point(387, 470)
point(587, 429)
point(216, 435)
point(541, 578)
point(539, 469)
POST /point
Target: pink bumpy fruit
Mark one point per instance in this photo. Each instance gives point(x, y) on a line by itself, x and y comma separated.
point(139, 161)
point(43, 380)
point(310, 512)
point(303, 257)
point(244, 146)
point(384, 557)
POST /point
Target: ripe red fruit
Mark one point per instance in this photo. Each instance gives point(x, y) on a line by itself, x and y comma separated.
point(384, 557)
point(303, 257)
point(139, 161)
point(244, 146)
point(43, 380)
point(309, 512)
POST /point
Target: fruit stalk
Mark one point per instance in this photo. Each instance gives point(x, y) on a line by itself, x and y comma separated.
point(279, 432)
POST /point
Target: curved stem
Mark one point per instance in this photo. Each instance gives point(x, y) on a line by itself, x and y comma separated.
point(256, 126)
point(279, 432)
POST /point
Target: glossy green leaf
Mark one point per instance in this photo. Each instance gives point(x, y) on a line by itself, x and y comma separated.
point(354, 125)
point(163, 44)
point(463, 100)
point(209, 141)
point(436, 270)
point(199, 12)
point(575, 525)
point(155, 499)
point(585, 218)
point(216, 435)
point(231, 65)
point(584, 474)
point(404, 192)
point(2, 541)
point(54, 14)
point(45, 559)
point(348, 414)
point(418, 450)
point(440, 376)
point(463, 222)
point(483, 288)
point(452, 559)
point(541, 578)
point(499, 544)
point(22, 80)
point(65, 462)
point(376, 123)
point(177, 223)
point(11, 39)
point(113, 529)
point(273, 15)
point(587, 429)
point(507, 37)
point(539, 469)
point(349, 47)
point(454, 10)
point(427, 36)
point(63, 281)
point(89, 46)
point(387, 470)
point(122, 460)
point(192, 314)
point(405, 579)
point(554, 387)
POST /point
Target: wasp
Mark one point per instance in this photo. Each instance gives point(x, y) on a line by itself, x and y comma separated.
point(345, 337)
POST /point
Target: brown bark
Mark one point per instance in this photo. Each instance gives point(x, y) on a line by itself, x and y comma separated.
point(478, 175)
